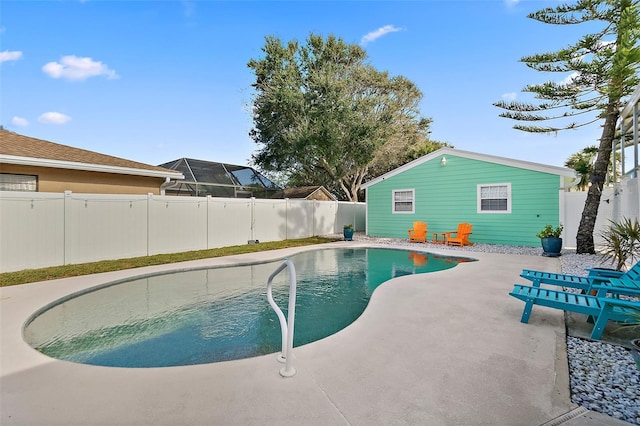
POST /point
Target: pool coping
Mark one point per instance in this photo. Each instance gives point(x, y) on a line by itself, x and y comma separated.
point(340, 379)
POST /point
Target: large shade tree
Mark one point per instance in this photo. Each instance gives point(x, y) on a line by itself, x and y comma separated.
point(602, 68)
point(323, 115)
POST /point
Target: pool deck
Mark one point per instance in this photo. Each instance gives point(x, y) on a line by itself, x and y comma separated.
point(444, 348)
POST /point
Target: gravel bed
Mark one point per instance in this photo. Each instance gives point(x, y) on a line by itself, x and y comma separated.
point(603, 377)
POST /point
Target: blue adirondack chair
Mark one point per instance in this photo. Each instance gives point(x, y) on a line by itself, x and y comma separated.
point(602, 309)
point(615, 287)
point(596, 277)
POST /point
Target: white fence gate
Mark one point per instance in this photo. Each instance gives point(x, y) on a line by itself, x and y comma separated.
point(49, 229)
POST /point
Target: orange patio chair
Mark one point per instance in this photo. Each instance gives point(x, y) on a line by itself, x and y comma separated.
point(461, 236)
point(418, 233)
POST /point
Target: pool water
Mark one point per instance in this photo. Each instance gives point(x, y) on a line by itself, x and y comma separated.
point(218, 314)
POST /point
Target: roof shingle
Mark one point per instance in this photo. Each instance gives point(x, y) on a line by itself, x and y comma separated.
point(18, 145)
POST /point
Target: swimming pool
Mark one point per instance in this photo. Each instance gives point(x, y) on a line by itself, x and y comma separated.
point(218, 314)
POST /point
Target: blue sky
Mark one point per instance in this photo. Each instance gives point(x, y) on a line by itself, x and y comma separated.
point(153, 81)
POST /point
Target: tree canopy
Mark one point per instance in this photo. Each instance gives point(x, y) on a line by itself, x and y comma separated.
point(323, 115)
point(600, 70)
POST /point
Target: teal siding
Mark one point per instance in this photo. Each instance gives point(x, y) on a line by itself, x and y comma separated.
point(447, 195)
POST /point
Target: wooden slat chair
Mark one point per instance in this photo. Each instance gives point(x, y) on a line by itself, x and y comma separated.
point(461, 235)
point(633, 272)
point(602, 309)
point(418, 233)
point(596, 277)
point(574, 281)
point(616, 287)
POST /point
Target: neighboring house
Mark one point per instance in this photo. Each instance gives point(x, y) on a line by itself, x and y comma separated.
point(319, 193)
point(507, 201)
point(204, 178)
point(30, 164)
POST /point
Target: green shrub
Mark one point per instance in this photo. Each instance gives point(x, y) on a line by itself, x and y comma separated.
point(621, 242)
point(550, 232)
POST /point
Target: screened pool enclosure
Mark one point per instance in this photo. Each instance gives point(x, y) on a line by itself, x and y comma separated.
point(204, 178)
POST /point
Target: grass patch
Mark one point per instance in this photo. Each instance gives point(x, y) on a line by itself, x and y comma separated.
point(55, 272)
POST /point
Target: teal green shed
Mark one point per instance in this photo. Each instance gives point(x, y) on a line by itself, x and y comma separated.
point(507, 201)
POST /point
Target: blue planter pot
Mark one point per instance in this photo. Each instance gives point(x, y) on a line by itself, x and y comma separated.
point(551, 246)
point(348, 234)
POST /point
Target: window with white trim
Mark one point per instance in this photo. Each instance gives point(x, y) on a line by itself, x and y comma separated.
point(403, 201)
point(11, 182)
point(494, 198)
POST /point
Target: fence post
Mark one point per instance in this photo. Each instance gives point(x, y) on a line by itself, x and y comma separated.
point(207, 222)
point(67, 225)
point(353, 210)
point(314, 208)
point(253, 217)
point(286, 218)
point(149, 199)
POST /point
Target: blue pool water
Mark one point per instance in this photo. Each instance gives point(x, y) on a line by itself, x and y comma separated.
point(210, 315)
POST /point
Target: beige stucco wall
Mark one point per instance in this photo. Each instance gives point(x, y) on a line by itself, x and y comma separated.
point(60, 180)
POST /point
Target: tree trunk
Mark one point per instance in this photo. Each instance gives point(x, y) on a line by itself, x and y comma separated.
point(584, 238)
point(351, 184)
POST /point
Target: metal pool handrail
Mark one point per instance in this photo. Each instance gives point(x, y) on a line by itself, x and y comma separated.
point(285, 326)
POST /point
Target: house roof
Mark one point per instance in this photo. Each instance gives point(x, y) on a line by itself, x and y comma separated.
point(561, 171)
point(303, 192)
point(28, 151)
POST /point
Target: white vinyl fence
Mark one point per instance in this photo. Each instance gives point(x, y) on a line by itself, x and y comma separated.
point(619, 202)
point(39, 229)
point(49, 229)
point(570, 219)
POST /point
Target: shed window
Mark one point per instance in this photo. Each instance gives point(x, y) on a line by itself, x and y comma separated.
point(403, 201)
point(494, 198)
point(11, 182)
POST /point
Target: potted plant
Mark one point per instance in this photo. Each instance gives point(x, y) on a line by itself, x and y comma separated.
point(551, 241)
point(347, 231)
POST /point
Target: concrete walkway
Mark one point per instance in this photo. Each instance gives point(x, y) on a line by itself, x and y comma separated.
point(445, 348)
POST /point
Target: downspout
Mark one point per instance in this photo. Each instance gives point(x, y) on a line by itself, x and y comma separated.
point(167, 183)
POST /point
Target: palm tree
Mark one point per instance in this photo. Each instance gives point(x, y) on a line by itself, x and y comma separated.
point(582, 162)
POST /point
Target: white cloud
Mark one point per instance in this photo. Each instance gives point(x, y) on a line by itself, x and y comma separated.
point(374, 35)
point(19, 121)
point(10, 56)
point(511, 2)
point(569, 79)
point(509, 97)
point(72, 67)
point(53, 118)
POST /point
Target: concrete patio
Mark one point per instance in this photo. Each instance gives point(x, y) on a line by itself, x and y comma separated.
point(444, 348)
